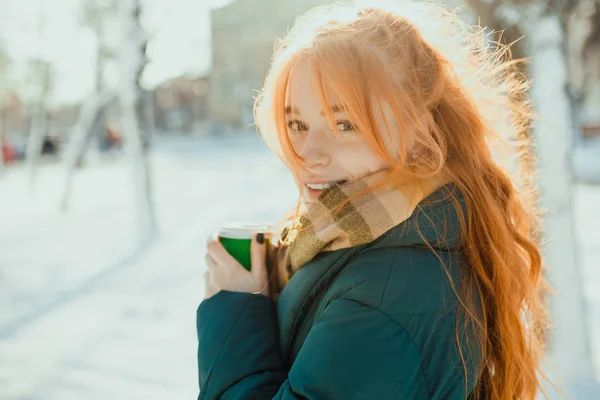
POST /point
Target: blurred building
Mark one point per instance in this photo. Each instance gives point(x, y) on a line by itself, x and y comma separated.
point(243, 36)
point(15, 120)
point(181, 104)
point(14, 117)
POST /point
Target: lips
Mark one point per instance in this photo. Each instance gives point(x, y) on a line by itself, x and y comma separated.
point(314, 189)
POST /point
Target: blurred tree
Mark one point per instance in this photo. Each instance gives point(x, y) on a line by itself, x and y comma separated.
point(90, 113)
point(133, 60)
point(92, 118)
point(41, 76)
point(4, 60)
point(554, 51)
point(96, 14)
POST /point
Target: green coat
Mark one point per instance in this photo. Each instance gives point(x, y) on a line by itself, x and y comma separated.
point(376, 321)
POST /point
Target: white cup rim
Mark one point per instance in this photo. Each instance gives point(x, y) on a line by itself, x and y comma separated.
point(237, 230)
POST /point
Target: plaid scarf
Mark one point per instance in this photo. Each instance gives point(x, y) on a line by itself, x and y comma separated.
point(332, 222)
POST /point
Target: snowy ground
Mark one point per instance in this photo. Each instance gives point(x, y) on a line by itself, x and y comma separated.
point(85, 314)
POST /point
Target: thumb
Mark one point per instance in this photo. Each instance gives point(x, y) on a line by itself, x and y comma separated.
point(258, 257)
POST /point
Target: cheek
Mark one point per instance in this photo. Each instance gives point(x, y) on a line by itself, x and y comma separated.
point(398, 139)
point(372, 162)
point(358, 160)
point(298, 143)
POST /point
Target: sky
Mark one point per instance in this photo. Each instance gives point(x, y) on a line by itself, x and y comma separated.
point(179, 44)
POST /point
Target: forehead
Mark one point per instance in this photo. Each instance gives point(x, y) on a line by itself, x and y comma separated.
point(305, 85)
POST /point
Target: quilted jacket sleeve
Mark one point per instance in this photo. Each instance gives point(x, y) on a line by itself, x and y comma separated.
point(353, 351)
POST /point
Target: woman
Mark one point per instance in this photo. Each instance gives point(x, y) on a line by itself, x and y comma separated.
point(410, 270)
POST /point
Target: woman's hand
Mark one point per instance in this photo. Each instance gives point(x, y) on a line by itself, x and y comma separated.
point(225, 273)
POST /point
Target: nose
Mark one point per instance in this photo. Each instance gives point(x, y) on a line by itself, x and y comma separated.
point(314, 151)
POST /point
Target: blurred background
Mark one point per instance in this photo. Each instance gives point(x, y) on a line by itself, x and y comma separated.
point(127, 138)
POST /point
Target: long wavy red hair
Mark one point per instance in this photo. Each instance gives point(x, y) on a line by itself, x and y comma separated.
point(465, 99)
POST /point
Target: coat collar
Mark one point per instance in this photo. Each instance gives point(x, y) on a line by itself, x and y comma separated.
point(306, 284)
point(434, 221)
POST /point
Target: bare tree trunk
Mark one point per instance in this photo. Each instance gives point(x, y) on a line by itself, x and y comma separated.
point(96, 13)
point(132, 63)
point(97, 22)
point(38, 113)
point(149, 113)
point(97, 130)
point(80, 138)
point(569, 347)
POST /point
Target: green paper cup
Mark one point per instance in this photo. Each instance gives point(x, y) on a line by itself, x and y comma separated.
point(237, 238)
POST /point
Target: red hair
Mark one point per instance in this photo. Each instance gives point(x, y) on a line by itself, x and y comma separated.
point(462, 96)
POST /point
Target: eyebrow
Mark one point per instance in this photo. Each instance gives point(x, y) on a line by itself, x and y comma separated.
point(294, 110)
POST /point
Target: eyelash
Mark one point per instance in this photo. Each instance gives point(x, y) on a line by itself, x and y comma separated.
point(301, 126)
point(350, 126)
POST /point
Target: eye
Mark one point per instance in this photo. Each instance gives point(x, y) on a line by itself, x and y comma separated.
point(297, 125)
point(345, 126)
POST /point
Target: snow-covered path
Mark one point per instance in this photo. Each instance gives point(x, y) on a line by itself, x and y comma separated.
point(86, 314)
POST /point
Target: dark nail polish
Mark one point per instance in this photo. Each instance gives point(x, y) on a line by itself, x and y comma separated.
point(260, 238)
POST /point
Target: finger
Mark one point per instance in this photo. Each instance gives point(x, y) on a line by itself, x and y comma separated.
point(258, 257)
point(210, 262)
point(220, 255)
point(211, 237)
